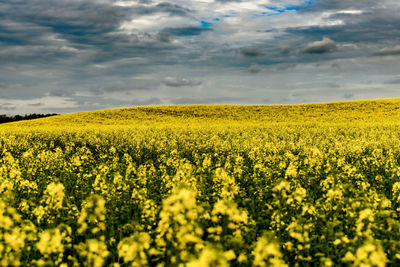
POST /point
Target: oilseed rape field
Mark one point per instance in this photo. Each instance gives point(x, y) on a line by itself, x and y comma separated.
point(204, 185)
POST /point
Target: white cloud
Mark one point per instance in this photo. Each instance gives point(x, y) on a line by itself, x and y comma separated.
point(154, 23)
point(179, 82)
point(37, 105)
point(351, 12)
point(388, 51)
point(326, 45)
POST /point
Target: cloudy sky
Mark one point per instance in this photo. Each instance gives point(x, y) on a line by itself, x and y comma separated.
point(74, 55)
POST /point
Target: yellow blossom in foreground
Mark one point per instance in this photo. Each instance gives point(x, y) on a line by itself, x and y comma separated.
point(94, 252)
point(267, 253)
point(50, 242)
point(133, 249)
point(54, 195)
point(370, 254)
point(211, 257)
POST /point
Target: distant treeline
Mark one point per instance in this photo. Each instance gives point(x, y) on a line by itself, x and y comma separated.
point(4, 118)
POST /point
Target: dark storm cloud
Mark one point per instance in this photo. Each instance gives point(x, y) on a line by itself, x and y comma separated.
point(368, 29)
point(164, 37)
point(80, 21)
point(76, 46)
point(81, 18)
point(61, 93)
point(132, 85)
point(164, 7)
point(329, 5)
point(285, 66)
point(393, 81)
point(58, 28)
point(320, 47)
point(20, 33)
point(256, 68)
point(3, 86)
point(334, 85)
point(287, 50)
point(228, 1)
point(360, 21)
point(125, 86)
point(348, 96)
point(186, 31)
point(179, 82)
point(171, 9)
point(250, 51)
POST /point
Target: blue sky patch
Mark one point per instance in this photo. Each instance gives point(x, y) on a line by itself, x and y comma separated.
point(206, 24)
point(286, 8)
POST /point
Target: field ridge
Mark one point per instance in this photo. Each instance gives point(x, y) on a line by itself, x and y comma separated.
point(363, 111)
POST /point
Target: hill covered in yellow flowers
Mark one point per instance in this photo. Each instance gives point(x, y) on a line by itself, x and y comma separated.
point(385, 111)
